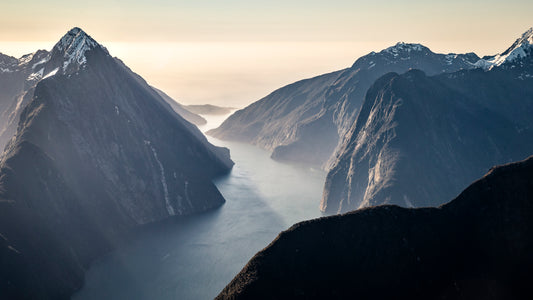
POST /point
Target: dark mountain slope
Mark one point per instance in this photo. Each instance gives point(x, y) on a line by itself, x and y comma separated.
point(183, 111)
point(273, 121)
point(18, 78)
point(479, 246)
point(97, 152)
point(302, 122)
point(420, 140)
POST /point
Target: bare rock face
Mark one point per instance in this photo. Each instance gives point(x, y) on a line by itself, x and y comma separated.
point(305, 122)
point(96, 153)
point(478, 246)
point(419, 140)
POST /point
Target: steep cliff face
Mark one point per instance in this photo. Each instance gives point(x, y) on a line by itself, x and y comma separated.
point(305, 122)
point(97, 152)
point(419, 140)
point(478, 246)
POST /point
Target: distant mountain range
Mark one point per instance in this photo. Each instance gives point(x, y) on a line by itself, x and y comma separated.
point(96, 153)
point(478, 246)
point(402, 126)
point(306, 121)
point(419, 140)
point(208, 109)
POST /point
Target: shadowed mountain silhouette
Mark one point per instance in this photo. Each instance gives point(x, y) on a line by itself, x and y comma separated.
point(478, 246)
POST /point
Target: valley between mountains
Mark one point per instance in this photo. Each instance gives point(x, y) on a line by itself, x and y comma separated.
point(407, 175)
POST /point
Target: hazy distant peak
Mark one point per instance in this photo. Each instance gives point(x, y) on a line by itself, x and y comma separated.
point(405, 47)
point(403, 52)
point(7, 62)
point(32, 61)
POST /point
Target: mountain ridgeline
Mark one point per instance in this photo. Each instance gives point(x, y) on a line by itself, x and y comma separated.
point(181, 110)
point(305, 122)
point(478, 246)
point(96, 153)
point(419, 139)
point(18, 78)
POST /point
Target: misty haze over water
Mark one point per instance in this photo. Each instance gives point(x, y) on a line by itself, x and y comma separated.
point(196, 256)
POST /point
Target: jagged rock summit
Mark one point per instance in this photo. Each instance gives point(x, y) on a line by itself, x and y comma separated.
point(72, 48)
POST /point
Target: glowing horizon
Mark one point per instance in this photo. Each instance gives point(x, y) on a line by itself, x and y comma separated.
point(236, 52)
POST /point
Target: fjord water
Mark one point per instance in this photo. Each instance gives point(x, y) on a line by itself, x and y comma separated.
point(196, 256)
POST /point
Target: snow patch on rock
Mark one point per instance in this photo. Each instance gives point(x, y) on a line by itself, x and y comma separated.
point(521, 48)
point(36, 76)
point(52, 73)
point(403, 47)
point(74, 45)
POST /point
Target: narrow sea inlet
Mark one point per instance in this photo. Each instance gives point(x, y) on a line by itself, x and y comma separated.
point(195, 257)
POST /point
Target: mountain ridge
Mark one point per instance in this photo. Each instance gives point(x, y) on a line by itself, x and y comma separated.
point(478, 246)
point(326, 105)
point(413, 127)
point(97, 153)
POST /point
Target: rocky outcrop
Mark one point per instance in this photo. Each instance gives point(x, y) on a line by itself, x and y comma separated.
point(478, 246)
point(305, 122)
point(419, 140)
point(97, 152)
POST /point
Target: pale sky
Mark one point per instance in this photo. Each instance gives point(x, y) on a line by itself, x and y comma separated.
point(235, 52)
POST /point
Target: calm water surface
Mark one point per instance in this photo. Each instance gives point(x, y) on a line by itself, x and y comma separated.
point(195, 257)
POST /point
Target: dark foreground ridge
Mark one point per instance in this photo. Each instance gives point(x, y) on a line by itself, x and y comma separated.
point(478, 246)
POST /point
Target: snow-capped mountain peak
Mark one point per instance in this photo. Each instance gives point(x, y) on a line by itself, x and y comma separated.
point(68, 56)
point(521, 48)
point(404, 47)
point(73, 46)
